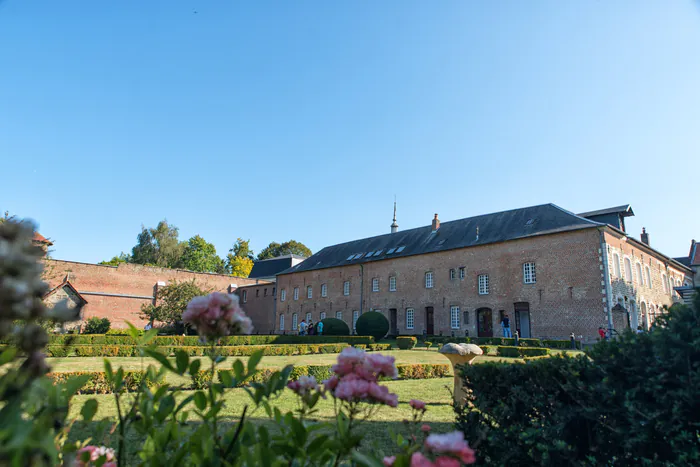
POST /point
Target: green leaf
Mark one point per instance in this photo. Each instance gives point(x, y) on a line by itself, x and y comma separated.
point(181, 360)
point(238, 370)
point(133, 332)
point(227, 378)
point(161, 358)
point(254, 360)
point(8, 355)
point(200, 400)
point(109, 374)
point(194, 367)
point(148, 336)
point(166, 407)
point(363, 459)
point(89, 410)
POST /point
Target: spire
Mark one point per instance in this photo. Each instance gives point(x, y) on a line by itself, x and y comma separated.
point(394, 225)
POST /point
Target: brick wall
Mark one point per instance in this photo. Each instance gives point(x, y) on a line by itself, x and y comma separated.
point(258, 301)
point(135, 283)
point(568, 295)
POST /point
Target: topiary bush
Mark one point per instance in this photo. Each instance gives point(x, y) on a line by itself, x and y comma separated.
point(335, 327)
point(96, 326)
point(372, 324)
point(406, 342)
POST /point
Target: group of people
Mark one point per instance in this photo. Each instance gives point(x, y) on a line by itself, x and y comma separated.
point(309, 329)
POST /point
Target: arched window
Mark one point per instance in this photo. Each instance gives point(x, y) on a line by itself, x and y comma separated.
point(295, 322)
point(628, 270)
point(648, 277)
point(616, 265)
point(281, 322)
point(664, 282)
point(640, 278)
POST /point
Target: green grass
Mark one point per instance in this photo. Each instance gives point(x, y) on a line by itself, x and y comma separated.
point(436, 393)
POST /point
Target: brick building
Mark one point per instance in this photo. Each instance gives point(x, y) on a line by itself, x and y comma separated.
point(553, 273)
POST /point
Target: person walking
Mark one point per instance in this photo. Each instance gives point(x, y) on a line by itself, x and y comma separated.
point(505, 324)
point(311, 328)
point(302, 328)
point(601, 333)
point(319, 328)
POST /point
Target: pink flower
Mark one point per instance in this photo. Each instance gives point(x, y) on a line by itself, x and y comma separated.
point(331, 383)
point(382, 365)
point(95, 453)
point(216, 315)
point(356, 375)
point(304, 385)
point(419, 460)
point(451, 443)
point(389, 461)
point(425, 428)
point(416, 404)
point(444, 461)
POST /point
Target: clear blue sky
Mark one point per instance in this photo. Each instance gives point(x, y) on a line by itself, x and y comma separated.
point(302, 120)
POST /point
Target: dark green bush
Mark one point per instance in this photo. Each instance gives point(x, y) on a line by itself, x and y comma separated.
point(58, 351)
point(335, 327)
point(508, 351)
point(631, 401)
point(559, 344)
point(406, 342)
point(530, 343)
point(96, 326)
point(511, 351)
point(372, 324)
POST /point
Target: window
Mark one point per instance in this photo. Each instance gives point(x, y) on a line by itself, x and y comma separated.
point(483, 284)
point(355, 315)
point(281, 322)
point(309, 291)
point(346, 288)
point(664, 281)
point(640, 278)
point(453, 274)
point(296, 293)
point(392, 284)
point(308, 317)
point(616, 265)
point(628, 270)
point(274, 291)
point(369, 254)
point(648, 277)
point(409, 318)
point(390, 251)
point(461, 273)
point(375, 284)
point(400, 249)
point(265, 292)
point(529, 276)
point(339, 315)
point(323, 315)
point(245, 296)
point(350, 257)
point(257, 292)
point(324, 290)
point(295, 324)
point(428, 280)
point(377, 253)
point(283, 294)
point(454, 317)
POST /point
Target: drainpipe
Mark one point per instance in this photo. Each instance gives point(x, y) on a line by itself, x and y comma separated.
point(606, 279)
point(362, 286)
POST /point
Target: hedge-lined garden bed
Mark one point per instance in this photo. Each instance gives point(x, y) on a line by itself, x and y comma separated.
point(97, 382)
point(199, 350)
point(503, 341)
point(101, 339)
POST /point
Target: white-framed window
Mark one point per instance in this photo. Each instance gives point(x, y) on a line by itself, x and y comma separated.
point(462, 273)
point(323, 315)
point(664, 281)
point(338, 315)
point(346, 288)
point(453, 274)
point(308, 317)
point(324, 290)
point(409, 318)
point(454, 317)
point(375, 284)
point(392, 284)
point(628, 270)
point(296, 293)
point(529, 275)
point(281, 322)
point(616, 265)
point(483, 284)
point(309, 291)
point(283, 295)
point(428, 280)
point(295, 322)
point(640, 277)
point(648, 271)
point(355, 316)
point(245, 296)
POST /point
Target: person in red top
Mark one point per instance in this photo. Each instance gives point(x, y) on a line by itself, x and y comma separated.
point(601, 333)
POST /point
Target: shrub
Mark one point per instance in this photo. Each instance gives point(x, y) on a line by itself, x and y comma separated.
point(559, 344)
point(372, 324)
point(530, 343)
point(533, 351)
point(489, 349)
point(58, 351)
point(428, 344)
point(406, 342)
point(335, 327)
point(97, 382)
point(508, 351)
point(630, 401)
point(96, 326)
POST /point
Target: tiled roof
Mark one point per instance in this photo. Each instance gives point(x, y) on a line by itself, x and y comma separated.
point(38, 238)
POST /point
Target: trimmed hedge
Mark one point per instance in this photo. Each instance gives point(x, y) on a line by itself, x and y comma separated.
point(117, 339)
point(505, 341)
point(98, 384)
point(515, 352)
point(406, 342)
point(335, 327)
point(559, 344)
point(372, 324)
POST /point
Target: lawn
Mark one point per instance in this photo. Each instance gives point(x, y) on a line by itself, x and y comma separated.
point(436, 392)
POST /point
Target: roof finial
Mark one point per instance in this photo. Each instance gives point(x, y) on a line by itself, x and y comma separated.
point(394, 225)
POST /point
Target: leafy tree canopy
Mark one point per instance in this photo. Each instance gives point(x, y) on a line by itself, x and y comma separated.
point(200, 256)
point(293, 247)
point(158, 246)
point(242, 249)
point(117, 260)
point(171, 302)
point(238, 266)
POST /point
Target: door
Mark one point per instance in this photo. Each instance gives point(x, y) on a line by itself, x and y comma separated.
point(429, 326)
point(522, 319)
point(484, 322)
point(393, 327)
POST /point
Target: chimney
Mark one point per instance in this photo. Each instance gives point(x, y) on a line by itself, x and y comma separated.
point(645, 236)
point(436, 223)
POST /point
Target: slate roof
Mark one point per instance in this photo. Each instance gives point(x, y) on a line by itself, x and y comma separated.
point(493, 228)
point(272, 266)
point(625, 210)
point(684, 260)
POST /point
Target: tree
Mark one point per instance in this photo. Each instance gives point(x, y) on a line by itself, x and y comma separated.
point(171, 302)
point(117, 260)
point(292, 247)
point(242, 249)
point(238, 266)
point(200, 256)
point(158, 246)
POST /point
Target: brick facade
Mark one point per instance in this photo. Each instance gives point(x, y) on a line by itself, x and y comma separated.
point(568, 295)
point(118, 292)
point(258, 301)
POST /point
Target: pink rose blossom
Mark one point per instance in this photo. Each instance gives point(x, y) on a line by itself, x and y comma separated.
point(453, 444)
point(444, 461)
point(216, 315)
point(389, 461)
point(304, 385)
point(419, 460)
point(96, 452)
point(416, 404)
point(356, 375)
point(425, 428)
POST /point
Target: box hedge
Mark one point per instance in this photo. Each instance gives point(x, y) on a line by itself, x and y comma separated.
point(511, 351)
point(406, 342)
point(118, 339)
